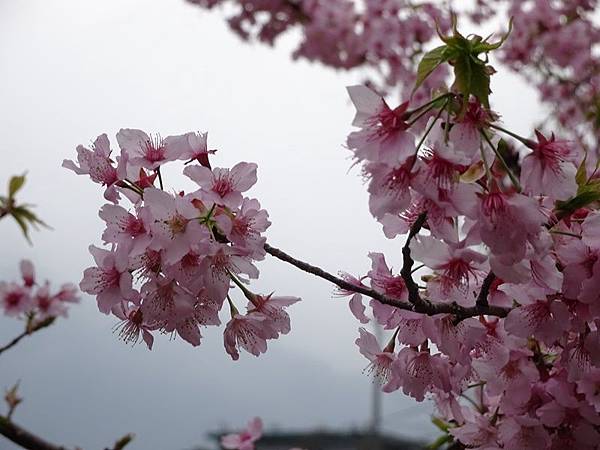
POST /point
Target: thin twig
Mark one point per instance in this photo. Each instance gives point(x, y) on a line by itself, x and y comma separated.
point(28, 331)
point(428, 308)
point(336, 280)
point(511, 175)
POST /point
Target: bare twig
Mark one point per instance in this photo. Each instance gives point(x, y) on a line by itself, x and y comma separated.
point(426, 307)
point(336, 280)
point(28, 331)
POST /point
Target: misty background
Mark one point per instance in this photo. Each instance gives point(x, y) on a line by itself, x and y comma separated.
point(73, 69)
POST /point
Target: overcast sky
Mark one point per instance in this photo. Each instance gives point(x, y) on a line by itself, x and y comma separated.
point(72, 69)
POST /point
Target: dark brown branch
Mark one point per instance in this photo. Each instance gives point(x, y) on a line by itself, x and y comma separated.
point(30, 441)
point(336, 280)
point(407, 263)
point(28, 331)
point(24, 438)
point(426, 307)
point(482, 298)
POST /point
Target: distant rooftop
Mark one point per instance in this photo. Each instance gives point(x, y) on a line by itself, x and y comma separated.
point(332, 440)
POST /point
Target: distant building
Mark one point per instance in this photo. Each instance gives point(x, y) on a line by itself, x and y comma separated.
point(331, 440)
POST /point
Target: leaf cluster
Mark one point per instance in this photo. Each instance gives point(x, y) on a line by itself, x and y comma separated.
point(471, 72)
point(22, 213)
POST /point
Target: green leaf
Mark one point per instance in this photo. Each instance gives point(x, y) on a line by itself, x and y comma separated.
point(462, 74)
point(485, 46)
point(589, 194)
point(29, 216)
point(581, 175)
point(25, 218)
point(15, 184)
point(480, 84)
point(22, 224)
point(430, 61)
point(439, 442)
point(439, 423)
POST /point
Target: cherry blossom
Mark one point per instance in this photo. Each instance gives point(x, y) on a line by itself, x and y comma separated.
point(246, 439)
point(493, 308)
point(33, 300)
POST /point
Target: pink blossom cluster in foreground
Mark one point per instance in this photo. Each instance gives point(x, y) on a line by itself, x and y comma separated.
point(531, 245)
point(171, 257)
point(28, 298)
point(494, 313)
point(246, 439)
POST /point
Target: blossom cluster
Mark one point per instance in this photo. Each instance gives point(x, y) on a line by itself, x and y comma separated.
point(502, 328)
point(32, 300)
point(170, 258)
point(510, 261)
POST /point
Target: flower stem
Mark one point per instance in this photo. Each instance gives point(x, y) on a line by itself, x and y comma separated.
point(160, 180)
point(523, 140)
point(511, 175)
point(430, 127)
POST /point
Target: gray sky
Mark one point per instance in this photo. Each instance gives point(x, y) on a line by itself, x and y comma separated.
point(72, 69)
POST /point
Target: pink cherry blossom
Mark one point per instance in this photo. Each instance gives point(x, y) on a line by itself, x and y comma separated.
point(249, 332)
point(466, 134)
point(149, 152)
point(273, 308)
point(124, 227)
point(35, 301)
point(14, 299)
point(590, 230)
point(457, 265)
point(173, 227)
point(384, 136)
point(27, 272)
point(97, 164)
point(549, 169)
point(507, 222)
point(381, 359)
point(191, 146)
point(133, 324)
point(546, 320)
point(521, 433)
point(246, 439)
point(47, 305)
point(224, 186)
point(110, 280)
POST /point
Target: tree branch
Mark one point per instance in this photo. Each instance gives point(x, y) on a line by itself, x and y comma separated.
point(30, 441)
point(28, 331)
point(336, 280)
point(426, 307)
point(24, 438)
point(407, 263)
point(482, 298)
